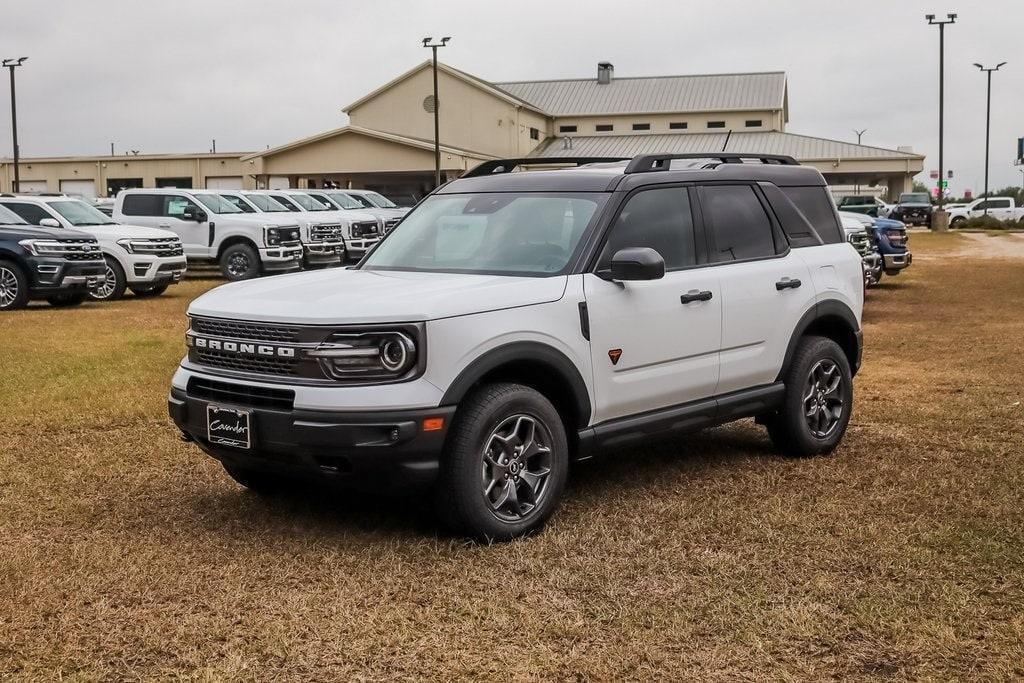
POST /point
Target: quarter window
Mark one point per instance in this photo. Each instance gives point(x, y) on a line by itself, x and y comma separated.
point(740, 227)
point(660, 219)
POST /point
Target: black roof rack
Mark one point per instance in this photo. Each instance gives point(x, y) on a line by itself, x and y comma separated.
point(646, 163)
point(497, 166)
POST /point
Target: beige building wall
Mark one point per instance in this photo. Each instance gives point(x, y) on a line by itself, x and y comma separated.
point(101, 170)
point(470, 117)
point(660, 123)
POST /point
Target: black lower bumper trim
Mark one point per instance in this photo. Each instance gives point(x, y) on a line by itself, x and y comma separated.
point(386, 448)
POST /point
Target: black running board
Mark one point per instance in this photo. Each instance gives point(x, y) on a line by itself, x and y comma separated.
point(679, 419)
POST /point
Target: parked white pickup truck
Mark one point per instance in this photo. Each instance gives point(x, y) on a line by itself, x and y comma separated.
point(1003, 208)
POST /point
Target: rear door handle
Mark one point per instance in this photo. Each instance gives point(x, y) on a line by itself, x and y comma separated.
point(786, 283)
point(695, 295)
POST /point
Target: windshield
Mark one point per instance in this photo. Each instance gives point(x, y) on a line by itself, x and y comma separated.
point(267, 203)
point(380, 201)
point(344, 201)
point(509, 233)
point(915, 198)
point(217, 204)
point(8, 217)
point(308, 203)
point(78, 213)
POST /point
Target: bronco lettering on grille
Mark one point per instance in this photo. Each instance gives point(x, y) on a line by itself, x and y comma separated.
point(242, 348)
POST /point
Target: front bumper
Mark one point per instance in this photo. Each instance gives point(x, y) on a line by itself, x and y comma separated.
point(156, 270)
point(51, 275)
point(281, 259)
point(381, 449)
point(324, 253)
point(897, 261)
point(359, 247)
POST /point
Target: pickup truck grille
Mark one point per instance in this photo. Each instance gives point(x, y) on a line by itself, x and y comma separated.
point(861, 242)
point(163, 247)
point(364, 229)
point(325, 233)
point(245, 330)
point(390, 224)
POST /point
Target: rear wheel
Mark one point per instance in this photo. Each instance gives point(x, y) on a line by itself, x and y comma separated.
point(148, 290)
point(957, 222)
point(67, 300)
point(506, 464)
point(13, 287)
point(818, 400)
point(240, 262)
point(114, 282)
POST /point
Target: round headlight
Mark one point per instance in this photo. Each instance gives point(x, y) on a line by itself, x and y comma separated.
point(394, 354)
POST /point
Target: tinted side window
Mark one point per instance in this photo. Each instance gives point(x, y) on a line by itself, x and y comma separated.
point(30, 212)
point(660, 219)
point(142, 205)
point(815, 205)
point(740, 227)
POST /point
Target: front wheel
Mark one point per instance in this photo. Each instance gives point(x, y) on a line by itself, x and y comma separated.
point(818, 401)
point(67, 300)
point(506, 464)
point(13, 287)
point(957, 222)
point(146, 291)
point(114, 282)
point(240, 262)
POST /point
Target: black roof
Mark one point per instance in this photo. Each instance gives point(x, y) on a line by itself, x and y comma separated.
point(606, 175)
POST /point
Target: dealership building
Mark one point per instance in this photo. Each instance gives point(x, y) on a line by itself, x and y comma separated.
point(388, 142)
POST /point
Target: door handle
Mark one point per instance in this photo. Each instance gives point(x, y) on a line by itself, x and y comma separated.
point(786, 283)
point(695, 295)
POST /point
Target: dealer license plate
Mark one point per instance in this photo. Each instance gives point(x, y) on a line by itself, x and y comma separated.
point(228, 426)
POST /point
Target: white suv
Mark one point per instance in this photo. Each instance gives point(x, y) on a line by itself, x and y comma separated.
point(145, 260)
point(213, 229)
point(514, 322)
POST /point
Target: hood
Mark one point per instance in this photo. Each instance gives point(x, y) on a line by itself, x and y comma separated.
point(363, 296)
point(889, 223)
point(38, 232)
point(121, 231)
point(914, 204)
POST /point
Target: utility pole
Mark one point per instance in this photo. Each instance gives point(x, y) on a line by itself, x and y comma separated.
point(941, 221)
point(427, 42)
point(12, 64)
point(988, 121)
point(858, 133)
point(111, 149)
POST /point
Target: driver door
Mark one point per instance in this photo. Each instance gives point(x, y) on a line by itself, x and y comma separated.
point(178, 215)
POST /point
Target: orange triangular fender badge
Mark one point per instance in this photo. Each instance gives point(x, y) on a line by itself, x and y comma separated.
point(614, 355)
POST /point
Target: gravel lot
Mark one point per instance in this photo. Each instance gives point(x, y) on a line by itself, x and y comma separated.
point(126, 554)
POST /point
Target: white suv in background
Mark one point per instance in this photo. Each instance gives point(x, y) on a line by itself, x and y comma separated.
point(144, 260)
point(362, 229)
point(323, 236)
point(367, 201)
point(213, 229)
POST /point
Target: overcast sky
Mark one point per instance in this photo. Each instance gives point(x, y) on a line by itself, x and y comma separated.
point(170, 76)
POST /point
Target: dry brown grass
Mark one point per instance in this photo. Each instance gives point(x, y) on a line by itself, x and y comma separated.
point(127, 554)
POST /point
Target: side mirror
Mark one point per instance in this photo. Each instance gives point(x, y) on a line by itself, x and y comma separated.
point(191, 213)
point(49, 223)
point(637, 263)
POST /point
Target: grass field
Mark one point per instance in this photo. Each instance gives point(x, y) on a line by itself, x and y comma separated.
point(127, 554)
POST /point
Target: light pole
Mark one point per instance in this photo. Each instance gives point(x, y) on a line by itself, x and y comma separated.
point(950, 18)
point(427, 42)
point(12, 64)
point(988, 120)
point(858, 133)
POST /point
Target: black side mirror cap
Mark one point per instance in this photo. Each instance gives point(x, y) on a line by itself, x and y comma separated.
point(637, 263)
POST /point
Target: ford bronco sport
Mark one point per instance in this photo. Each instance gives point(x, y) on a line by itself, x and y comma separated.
point(516, 321)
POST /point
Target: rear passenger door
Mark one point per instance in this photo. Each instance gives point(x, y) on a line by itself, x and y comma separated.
point(766, 286)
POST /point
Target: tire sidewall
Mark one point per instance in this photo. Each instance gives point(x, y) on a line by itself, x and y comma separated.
point(462, 464)
point(812, 350)
point(21, 298)
point(120, 281)
point(250, 253)
point(147, 291)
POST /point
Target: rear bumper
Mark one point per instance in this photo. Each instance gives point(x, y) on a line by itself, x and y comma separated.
point(383, 449)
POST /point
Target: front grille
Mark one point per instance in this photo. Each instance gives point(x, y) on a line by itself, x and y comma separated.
point(79, 250)
point(325, 233)
point(169, 267)
point(240, 394)
point(861, 242)
point(283, 367)
point(364, 229)
point(161, 247)
point(390, 224)
point(245, 330)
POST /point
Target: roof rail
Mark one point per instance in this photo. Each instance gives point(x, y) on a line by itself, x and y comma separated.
point(646, 163)
point(497, 166)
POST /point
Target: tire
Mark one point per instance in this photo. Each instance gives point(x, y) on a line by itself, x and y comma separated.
point(240, 262)
point(816, 362)
point(113, 285)
point(959, 220)
point(262, 483)
point(147, 291)
point(13, 287)
point(484, 491)
point(67, 300)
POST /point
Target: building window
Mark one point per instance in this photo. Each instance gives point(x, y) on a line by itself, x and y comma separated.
point(716, 124)
point(534, 134)
point(754, 123)
point(677, 125)
point(604, 128)
point(641, 126)
point(567, 129)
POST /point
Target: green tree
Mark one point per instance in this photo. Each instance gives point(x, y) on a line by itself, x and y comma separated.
point(921, 187)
